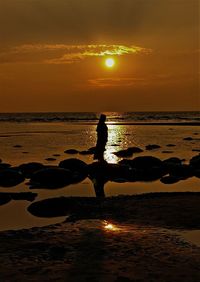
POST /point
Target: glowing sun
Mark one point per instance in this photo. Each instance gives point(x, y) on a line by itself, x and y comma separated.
point(109, 62)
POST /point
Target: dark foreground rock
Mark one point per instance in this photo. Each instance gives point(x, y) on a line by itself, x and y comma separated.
point(71, 151)
point(10, 177)
point(178, 210)
point(128, 152)
point(152, 147)
point(51, 178)
point(7, 197)
point(28, 169)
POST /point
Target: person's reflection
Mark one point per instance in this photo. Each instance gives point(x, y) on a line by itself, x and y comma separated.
point(102, 138)
point(99, 176)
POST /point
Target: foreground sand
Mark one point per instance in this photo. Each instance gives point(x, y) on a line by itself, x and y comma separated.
point(140, 245)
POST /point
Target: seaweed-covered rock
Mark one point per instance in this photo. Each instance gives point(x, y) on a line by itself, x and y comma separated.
point(28, 169)
point(54, 177)
point(10, 177)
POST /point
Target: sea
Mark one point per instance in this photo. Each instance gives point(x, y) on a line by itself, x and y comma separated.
point(44, 137)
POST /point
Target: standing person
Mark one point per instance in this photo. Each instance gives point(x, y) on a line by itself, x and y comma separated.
point(102, 138)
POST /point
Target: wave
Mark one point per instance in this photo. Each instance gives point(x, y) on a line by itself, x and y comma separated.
point(129, 117)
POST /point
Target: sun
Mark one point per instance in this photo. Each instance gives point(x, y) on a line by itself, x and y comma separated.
point(109, 62)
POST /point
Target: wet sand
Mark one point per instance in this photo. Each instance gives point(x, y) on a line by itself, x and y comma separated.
point(138, 243)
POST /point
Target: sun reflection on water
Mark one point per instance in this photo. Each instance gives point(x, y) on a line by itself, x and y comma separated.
point(115, 142)
point(110, 226)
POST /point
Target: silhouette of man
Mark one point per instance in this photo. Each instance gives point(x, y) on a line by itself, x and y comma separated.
point(102, 138)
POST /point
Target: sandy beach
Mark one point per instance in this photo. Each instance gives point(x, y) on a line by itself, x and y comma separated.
point(145, 229)
point(134, 238)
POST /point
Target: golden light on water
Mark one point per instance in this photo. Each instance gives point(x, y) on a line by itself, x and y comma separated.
point(109, 62)
point(110, 227)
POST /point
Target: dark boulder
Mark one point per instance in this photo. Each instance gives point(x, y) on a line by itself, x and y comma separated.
point(4, 166)
point(169, 179)
point(188, 139)
point(71, 152)
point(152, 147)
point(28, 196)
point(4, 199)
point(86, 152)
point(63, 206)
point(171, 162)
point(28, 169)
point(10, 177)
point(146, 162)
point(54, 177)
point(195, 162)
point(17, 146)
point(146, 168)
point(50, 159)
point(170, 145)
point(78, 168)
point(110, 172)
point(128, 152)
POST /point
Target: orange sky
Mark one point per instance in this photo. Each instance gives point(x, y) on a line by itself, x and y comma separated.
point(52, 55)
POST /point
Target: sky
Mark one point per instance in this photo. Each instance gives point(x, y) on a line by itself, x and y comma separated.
point(53, 52)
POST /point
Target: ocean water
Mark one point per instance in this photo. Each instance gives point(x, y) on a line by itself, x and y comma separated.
point(112, 117)
point(41, 135)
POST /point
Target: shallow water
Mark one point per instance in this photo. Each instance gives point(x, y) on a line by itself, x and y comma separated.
point(42, 140)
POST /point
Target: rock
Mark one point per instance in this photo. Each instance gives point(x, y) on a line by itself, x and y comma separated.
point(56, 155)
point(196, 150)
point(4, 199)
point(4, 166)
point(113, 172)
point(71, 151)
point(188, 139)
point(86, 152)
point(146, 162)
point(17, 146)
point(171, 162)
point(63, 206)
point(28, 169)
point(50, 159)
point(167, 152)
point(128, 152)
point(146, 168)
point(25, 152)
point(77, 167)
point(169, 179)
point(152, 147)
point(28, 196)
point(92, 149)
point(0, 160)
point(170, 145)
point(10, 177)
point(195, 162)
point(181, 171)
point(51, 178)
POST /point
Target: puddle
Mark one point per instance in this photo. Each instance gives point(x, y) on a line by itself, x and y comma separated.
point(191, 236)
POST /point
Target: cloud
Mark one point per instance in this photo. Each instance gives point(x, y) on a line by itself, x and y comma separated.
point(114, 81)
point(66, 54)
